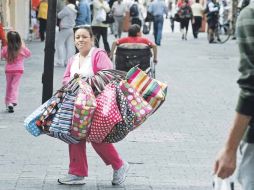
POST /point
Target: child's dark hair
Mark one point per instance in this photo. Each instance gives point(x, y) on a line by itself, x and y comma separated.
point(134, 30)
point(86, 27)
point(13, 45)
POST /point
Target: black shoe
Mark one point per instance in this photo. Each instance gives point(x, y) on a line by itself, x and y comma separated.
point(10, 109)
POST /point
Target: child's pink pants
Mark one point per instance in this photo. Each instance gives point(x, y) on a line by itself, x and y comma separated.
point(12, 87)
point(78, 160)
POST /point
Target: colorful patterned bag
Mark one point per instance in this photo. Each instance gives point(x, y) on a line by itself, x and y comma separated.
point(84, 108)
point(30, 121)
point(137, 103)
point(153, 91)
point(106, 114)
point(121, 129)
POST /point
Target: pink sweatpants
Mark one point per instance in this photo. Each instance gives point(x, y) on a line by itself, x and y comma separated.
point(12, 87)
point(78, 160)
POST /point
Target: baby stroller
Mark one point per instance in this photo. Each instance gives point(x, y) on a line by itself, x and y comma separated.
point(129, 55)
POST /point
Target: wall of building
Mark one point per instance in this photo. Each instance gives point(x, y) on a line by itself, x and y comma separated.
point(15, 14)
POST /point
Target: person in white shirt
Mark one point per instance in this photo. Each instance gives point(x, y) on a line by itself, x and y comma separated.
point(118, 10)
point(197, 11)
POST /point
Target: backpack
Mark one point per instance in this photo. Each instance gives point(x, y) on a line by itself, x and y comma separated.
point(134, 10)
point(185, 12)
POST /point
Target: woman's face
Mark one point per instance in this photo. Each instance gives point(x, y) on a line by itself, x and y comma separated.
point(83, 40)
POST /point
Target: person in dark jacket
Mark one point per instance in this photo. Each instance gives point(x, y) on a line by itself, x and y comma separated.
point(185, 13)
point(243, 125)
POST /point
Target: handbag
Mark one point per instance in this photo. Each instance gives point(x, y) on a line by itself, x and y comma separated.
point(106, 115)
point(102, 78)
point(121, 129)
point(30, 121)
point(62, 120)
point(101, 15)
point(222, 184)
point(45, 120)
point(149, 17)
point(145, 29)
point(136, 102)
point(109, 18)
point(177, 17)
point(152, 90)
point(84, 107)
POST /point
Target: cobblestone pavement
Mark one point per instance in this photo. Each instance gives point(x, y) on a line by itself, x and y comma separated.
point(173, 150)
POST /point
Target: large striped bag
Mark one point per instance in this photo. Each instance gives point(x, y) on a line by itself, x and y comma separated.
point(153, 91)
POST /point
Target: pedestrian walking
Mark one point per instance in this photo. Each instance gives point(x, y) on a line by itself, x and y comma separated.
point(65, 41)
point(171, 15)
point(185, 13)
point(42, 17)
point(84, 13)
point(212, 11)
point(149, 17)
point(87, 62)
point(14, 53)
point(158, 8)
point(136, 14)
point(100, 8)
point(118, 10)
point(197, 11)
point(243, 125)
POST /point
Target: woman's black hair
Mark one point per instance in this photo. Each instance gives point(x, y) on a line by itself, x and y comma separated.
point(134, 30)
point(14, 44)
point(88, 28)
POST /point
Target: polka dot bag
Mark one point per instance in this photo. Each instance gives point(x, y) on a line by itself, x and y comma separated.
point(121, 129)
point(137, 103)
point(106, 114)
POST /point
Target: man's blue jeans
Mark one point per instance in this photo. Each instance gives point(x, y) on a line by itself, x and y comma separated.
point(157, 28)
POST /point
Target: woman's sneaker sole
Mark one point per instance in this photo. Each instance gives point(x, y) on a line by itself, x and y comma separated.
point(74, 182)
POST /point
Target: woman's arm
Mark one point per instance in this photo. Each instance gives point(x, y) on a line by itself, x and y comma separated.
point(101, 61)
point(113, 50)
point(67, 73)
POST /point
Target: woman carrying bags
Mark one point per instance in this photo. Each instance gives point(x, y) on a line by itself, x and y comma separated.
point(87, 62)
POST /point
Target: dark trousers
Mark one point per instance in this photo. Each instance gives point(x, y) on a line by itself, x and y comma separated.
point(99, 31)
point(184, 23)
point(42, 29)
point(196, 26)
